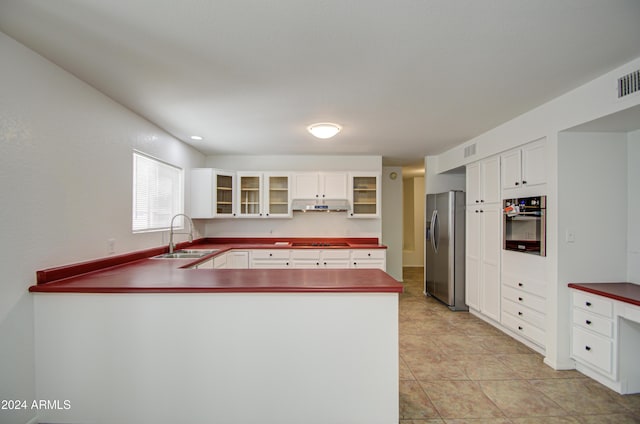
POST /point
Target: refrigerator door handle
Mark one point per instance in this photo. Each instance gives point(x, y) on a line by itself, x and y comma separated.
point(435, 234)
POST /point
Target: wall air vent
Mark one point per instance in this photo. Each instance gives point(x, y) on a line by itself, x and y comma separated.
point(470, 150)
point(629, 84)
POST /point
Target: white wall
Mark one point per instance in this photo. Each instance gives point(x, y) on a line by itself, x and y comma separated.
point(633, 226)
point(592, 205)
point(65, 182)
point(392, 221)
point(334, 224)
point(436, 182)
point(413, 252)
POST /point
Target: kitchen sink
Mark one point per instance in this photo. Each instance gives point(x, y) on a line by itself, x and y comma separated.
point(186, 254)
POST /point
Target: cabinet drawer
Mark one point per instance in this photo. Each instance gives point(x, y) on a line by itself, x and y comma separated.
point(305, 254)
point(270, 254)
point(523, 328)
point(525, 314)
point(596, 304)
point(336, 254)
point(593, 322)
point(539, 288)
point(368, 254)
point(592, 349)
point(529, 300)
point(274, 264)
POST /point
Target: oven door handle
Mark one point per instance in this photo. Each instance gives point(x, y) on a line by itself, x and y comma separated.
point(435, 233)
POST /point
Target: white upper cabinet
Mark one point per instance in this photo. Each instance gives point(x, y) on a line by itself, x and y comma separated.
point(212, 193)
point(523, 168)
point(263, 195)
point(319, 185)
point(249, 194)
point(483, 181)
point(277, 195)
point(364, 195)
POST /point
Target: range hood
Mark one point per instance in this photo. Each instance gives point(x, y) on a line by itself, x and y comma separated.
point(320, 205)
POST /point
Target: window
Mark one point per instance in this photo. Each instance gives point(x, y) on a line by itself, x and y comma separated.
point(157, 194)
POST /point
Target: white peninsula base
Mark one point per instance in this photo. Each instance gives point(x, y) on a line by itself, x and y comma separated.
point(218, 357)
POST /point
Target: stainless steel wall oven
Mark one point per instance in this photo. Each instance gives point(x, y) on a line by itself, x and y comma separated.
point(524, 226)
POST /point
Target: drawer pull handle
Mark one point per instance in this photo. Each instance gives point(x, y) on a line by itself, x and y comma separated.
point(520, 299)
point(519, 313)
point(588, 322)
point(587, 348)
point(520, 284)
point(587, 303)
point(519, 327)
point(270, 254)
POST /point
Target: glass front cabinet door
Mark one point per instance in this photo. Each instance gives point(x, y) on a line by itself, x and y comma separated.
point(277, 194)
point(264, 195)
point(364, 195)
point(249, 194)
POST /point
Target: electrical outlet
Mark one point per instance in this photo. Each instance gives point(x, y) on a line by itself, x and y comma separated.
point(570, 236)
point(111, 246)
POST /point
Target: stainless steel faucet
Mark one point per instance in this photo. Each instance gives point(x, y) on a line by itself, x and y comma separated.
point(171, 232)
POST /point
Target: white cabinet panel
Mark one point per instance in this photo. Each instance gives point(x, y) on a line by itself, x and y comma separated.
point(523, 168)
point(319, 185)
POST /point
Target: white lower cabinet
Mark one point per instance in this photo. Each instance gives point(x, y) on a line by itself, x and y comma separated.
point(305, 258)
point(338, 258)
point(592, 332)
point(368, 259)
point(276, 258)
point(237, 259)
point(524, 297)
point(298, 258)
point(319, 258)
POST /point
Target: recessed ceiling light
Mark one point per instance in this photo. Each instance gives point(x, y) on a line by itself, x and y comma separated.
point(324, 129)
point(196, 137)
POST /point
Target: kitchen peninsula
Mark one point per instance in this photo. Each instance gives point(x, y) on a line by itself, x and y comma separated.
point(180, 344)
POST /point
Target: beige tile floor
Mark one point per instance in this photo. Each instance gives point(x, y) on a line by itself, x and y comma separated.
point(455, 368)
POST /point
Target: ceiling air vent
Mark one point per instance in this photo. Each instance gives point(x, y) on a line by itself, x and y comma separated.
point(629, 84)
point(470, 150)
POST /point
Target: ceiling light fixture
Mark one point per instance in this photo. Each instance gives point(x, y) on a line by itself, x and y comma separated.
point(196, 137)
point(324, 129)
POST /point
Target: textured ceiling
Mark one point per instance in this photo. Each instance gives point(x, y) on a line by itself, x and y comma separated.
point(405, 78)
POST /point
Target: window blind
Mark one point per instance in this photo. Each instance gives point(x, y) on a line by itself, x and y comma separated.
point(157, 194)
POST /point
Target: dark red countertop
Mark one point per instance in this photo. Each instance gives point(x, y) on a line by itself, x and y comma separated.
point(624, 292)
point(137, 272)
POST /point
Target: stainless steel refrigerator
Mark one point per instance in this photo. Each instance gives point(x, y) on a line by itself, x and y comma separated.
point(444, 250)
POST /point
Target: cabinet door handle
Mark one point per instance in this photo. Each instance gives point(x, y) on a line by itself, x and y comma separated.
point(588, 322)
point(517, 183)
point(588, 303)
point(325, 264)
point(520, 299)
point(270, 254)
point(287, 263)
point(368, 254)
point(587, 348)
point(519, 327)
point(519, 313)
point(477, 201)
point(520, 284)
point(523, 182)
point(481, 210)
